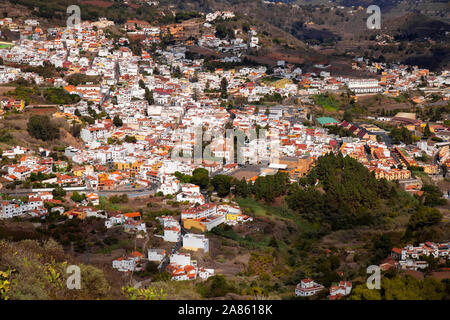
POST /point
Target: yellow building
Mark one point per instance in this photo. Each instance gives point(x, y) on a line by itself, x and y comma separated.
point(423, 125)
point(78, 171)
point(139, 136)
point(103, 176)
point(232, 216)
point(430, 169)
point(118, 135)
point(194, 223)
point(122, 166)
point(393, 174)
point(21, 105)
point(136, 166)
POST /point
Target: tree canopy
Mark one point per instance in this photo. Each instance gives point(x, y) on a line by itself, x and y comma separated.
point(200, 177)
point(402, 288)
point(341, 192)
point(41, 127)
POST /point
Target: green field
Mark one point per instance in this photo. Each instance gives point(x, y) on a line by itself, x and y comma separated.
point(328, 102)
point(273, 212)
point(270, 79)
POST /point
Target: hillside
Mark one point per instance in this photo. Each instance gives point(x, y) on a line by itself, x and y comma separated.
point(314, 31)
point(13, 131)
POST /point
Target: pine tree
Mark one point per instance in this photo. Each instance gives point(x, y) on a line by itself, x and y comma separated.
point(117, 121)
point(223, 88)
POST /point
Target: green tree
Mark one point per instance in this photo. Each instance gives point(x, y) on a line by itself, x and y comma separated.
point(59, 192)
point(423, 217)
point(149, 96)
point(348, 116)
point(200, 177)
point(93, 283)
point(432, 196)
point(427, 131)
point(241, 188)
point(215, 286)
point(222, 184)
point(130, 139)
point(224, 88)
point(184, 178)
point(41, 127)
point(245, 27)
point(444, 170)
point(117, 121)
point(222, 32)
point(401, 135)
point(77, 197)
point(361, 292)
point(271, 186)
point(341, 192)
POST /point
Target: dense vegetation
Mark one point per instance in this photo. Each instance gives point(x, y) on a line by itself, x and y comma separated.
point(341, 192)
point(51, 95)
point(404, 288)
point(60, 96)
point(340, 131)
point(327, 101)
point(400, 135)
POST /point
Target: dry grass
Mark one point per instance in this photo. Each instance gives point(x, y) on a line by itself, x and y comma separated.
point(16, 124)
point(178, 290)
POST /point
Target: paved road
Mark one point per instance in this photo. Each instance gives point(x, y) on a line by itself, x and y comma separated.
point(162, 266)
point(387, 139)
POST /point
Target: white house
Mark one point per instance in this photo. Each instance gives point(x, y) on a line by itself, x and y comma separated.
point(205, 273)
point(156, 255)
point(202, 211)
point(343, 288)
point(172, 234)
point(191, 193)
point(129, 263)
point(181, 259)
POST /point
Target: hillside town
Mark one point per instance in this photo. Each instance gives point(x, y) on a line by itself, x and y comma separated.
point(159, 114)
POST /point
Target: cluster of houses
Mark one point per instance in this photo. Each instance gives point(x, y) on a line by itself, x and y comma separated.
point(128, 263)
point(166, 124)
point(178, 265)
point(219, 14)
point(131, 221)
point(202, 218)
point(33, 206)
point(308, 288)
point(164, 103)
point(409, 257)
point(171, 229)
point(41, 203)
